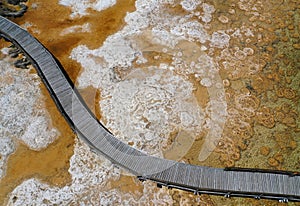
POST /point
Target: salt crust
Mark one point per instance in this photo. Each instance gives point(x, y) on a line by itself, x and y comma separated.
point(220, 39)
point(208, 10)
point(20, 114)
point(76, 29)
point(153, 102)
point(190, 5)
point(79, 8)
point(152, 105)
point(6, 148)
point(119, 96)
point(90, 173)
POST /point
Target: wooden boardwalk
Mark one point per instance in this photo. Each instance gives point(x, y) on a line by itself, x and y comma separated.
point(200, 180)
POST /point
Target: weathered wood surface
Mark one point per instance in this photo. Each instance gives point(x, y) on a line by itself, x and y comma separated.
point(198, 179)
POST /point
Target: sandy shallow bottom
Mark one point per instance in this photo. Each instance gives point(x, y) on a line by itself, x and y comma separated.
point(205, 82)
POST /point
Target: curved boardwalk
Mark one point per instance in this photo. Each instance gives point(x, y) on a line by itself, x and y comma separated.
point(282, 186)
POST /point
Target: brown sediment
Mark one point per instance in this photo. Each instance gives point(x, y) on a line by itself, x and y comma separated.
point(178, 145)
point(187, 198)
point(200, 92)
point(127, 184)
point(155, 58)
point(192, 155)
point(91, 96)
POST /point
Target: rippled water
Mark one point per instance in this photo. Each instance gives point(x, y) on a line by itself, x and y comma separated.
point(211, 83)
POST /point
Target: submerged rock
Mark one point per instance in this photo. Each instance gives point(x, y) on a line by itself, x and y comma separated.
point(22, 63)
point(12, 8)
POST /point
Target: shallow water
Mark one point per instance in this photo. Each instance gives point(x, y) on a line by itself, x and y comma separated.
point(221, 87)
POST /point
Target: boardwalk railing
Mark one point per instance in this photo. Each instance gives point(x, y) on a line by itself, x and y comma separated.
point(283, 186)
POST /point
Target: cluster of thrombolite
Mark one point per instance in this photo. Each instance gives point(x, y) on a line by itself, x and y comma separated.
point(21, 61)
point(285, 144)
point(261, 87)
point(252, 106)
point(12, 8)
point(238, 130)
